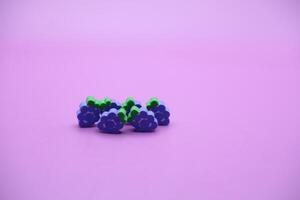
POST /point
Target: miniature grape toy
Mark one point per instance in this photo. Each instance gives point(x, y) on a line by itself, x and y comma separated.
point(87, 115)
point(112, 121)
point(142, 119)
point(160, 111)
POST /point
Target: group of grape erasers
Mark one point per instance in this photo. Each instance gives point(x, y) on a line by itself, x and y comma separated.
point(110, 116)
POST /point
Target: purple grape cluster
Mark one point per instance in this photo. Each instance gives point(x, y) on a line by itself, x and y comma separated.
point(162, 114)
point(110, 122)
point(144, 121)
point(87, 115)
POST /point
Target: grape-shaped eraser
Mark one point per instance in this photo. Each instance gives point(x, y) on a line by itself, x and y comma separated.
point(142, 119)
point(87, 115)
point(161, 112)
point(112, 121)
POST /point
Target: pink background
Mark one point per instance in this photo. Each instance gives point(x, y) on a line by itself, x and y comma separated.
point(228, 70)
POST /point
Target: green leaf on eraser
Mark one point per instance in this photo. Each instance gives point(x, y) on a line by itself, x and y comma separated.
point(107, 101)
point(134, 111)
point(152, 103)
point(122, 115)
point(130, 102)
point(98, 104)
point(90, 101)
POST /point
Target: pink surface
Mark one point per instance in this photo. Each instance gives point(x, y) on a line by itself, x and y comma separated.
point(229, 71)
